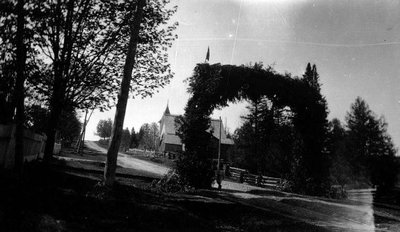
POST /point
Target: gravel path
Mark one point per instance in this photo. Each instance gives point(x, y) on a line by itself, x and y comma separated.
point(127, 161)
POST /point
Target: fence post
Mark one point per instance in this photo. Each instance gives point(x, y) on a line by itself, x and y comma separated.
point(241, 177)
point(259, 180)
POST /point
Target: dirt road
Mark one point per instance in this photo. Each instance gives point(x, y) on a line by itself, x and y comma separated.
point(127, 161)
point(358, 213)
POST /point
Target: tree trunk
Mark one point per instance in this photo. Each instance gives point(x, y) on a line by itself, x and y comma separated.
point(19, 89)
point(62, 59)
point(112, 154)
point(55, 112)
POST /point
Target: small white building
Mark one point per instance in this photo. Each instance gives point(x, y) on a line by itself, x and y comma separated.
point(170, 141)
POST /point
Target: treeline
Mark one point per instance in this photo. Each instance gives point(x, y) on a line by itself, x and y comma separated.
point(64, 56)
point(358, 153)
point(147, 138)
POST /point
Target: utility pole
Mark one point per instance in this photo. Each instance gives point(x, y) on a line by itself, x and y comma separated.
point(219, 155)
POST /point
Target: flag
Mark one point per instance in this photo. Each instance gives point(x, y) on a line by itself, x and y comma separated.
point(208, 55)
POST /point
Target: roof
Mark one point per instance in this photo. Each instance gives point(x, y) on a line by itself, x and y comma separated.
point(172, 139)
point(170, 130)
point(166, 112)
point(169, 121)
point(216, 125)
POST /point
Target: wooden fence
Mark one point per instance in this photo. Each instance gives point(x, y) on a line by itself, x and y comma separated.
point(243, 176)
point(34, 145)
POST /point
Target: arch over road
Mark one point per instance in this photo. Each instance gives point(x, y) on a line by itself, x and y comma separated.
point(214, 86)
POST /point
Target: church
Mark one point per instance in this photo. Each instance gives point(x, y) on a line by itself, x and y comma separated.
point(170, 141)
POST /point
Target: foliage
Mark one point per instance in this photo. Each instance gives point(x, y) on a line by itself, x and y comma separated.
point(103, 128)
point(362, 153)
point(264, 143)
point(125, 139)
point(77, 52)
point(133, 142)
point(91, 56)
point(170, 183)
point(341, 172)
point(370, 148)
point(68, 128)
point(213, 86)
point(36, 118)
point(8, 54)
point(148, 136)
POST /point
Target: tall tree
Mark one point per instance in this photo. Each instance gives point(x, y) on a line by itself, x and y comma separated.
point(371, 149)
point(15, 44)
point(311, 76)
point(112, 153)
point(103, 128)
point(85, 42)
point(8, 25)
point(340, 170)
point(19, 86)
point(146, 53)
point(125, 139)
point(149, 136)
point(274, 139)
point(133, 142)
point(76, 37)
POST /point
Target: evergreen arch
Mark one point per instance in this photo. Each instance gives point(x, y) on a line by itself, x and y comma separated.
point(214, 86)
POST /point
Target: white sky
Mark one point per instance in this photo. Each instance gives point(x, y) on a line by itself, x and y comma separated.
point(355, 45)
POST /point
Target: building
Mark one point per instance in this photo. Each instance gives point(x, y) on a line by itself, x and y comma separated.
point(170, 141)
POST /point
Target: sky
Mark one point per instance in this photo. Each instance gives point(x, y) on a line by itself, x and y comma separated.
point(355, 45)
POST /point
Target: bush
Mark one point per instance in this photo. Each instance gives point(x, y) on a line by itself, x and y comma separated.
point(170, 183)
point(195, 170)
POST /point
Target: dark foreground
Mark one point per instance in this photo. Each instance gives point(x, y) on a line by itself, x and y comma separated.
point(54, 199)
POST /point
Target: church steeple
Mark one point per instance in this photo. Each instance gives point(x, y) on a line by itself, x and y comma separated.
point(166, 112)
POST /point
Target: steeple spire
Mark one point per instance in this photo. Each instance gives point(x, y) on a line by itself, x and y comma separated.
point(166, 112)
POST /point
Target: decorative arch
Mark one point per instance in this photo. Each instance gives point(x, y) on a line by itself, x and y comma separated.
point(214, 86)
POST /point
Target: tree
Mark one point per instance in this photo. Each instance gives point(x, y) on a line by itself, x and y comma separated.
point(112, 153)
point(214, 86)
point(133, 142)
point(68, 128)
point(149, 136)
point(17, 58)
point(14, 47)
point(76, 38)
point(274, 139)
point(84, 42)
point(125, 139)
point(150, 38)
point(340, 170)
point(371, 150)
point(19, 86)
point(140, 135)
point(311, 76)
point(104, 128)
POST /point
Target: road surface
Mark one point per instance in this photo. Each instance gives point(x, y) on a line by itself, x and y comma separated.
point(127, 161)
point(359, 213)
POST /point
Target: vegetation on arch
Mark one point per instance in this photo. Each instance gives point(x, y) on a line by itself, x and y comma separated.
point(214, 86)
